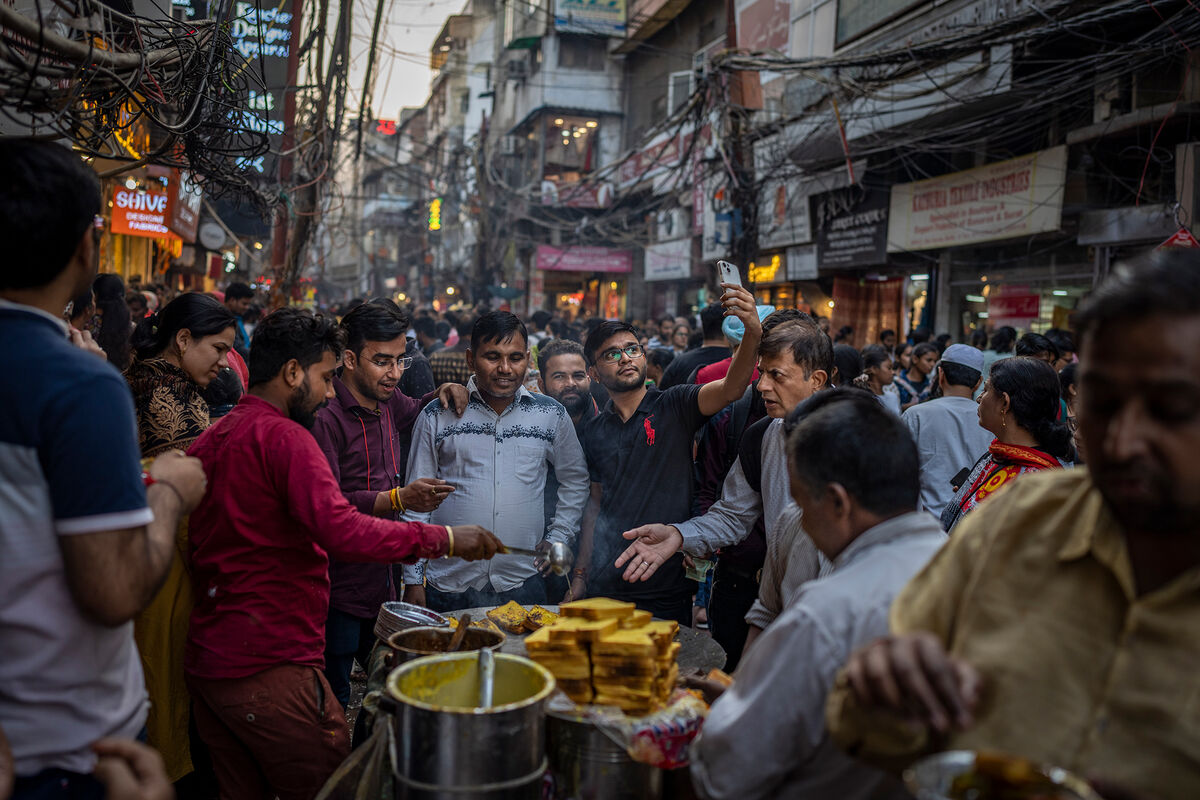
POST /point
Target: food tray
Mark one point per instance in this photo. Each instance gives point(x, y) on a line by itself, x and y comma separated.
point(931, 777)
point(397, 616)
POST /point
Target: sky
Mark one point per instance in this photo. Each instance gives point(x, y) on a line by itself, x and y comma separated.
point(402, 67)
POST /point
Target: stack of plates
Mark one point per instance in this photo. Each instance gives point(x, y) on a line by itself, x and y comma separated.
point(396, 616)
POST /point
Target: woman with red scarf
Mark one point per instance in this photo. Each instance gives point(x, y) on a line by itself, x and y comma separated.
point(1019, 404)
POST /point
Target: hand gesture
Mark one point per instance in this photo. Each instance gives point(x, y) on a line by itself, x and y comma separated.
point(542, 565)
point(913, 676)
point(740, 303)
point(184, 474)
point(84, 341)
point(652, 546)
point(454, 396)
point(130, 770)
point(473, 543)
point(425, 494)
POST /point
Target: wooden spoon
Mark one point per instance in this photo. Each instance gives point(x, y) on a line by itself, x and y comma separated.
point(460, 633)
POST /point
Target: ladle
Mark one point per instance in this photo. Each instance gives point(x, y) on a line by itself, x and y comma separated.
point(559, 556)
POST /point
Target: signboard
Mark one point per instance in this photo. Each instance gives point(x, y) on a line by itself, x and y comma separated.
point(855, 17)
point(802, 263)
point(1018, 197)
point(1181, 238)
point(668, 260)
point(782, 214)
point(768, 270)
point(1014, 305)
point(600, 17)
point(137, 213)
point(716, 217)
point(584, 259)
point(183, 206)
point(852, 226)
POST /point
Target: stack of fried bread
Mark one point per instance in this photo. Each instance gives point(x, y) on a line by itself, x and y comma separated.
point(608, 653)
point(513, 617)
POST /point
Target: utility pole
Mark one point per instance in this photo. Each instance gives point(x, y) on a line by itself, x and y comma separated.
point(279, 237)
point(743, 198)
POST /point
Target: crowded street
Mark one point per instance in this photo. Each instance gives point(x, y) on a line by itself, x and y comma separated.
point(630, 401)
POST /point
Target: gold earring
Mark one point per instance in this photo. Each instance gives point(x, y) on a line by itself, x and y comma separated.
point(1004, 421)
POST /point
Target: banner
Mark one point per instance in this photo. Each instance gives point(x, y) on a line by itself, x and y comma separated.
point(137, 213)
point(599, 17)
point(584, 259)
point(852, 225)
point(1018, 197)
point(669, 260)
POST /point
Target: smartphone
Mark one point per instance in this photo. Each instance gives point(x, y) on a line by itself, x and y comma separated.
point(728, 273)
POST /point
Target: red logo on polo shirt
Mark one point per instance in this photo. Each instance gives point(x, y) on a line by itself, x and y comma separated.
point(649, 431)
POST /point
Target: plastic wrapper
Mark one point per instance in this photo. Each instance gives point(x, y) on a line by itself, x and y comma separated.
point(661, 739)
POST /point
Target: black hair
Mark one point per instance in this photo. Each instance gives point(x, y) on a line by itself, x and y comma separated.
point(238, 291)
point(666, 318)
point(1003, 339)
point(886, 332)
point(943, 341)
point(561, 330)
point(425, 326)
point(1034, 393)
point(711, 318)
point(1062, 340)
point(844, 333)
point(849, 363)
point(497, 326)
point(601, 334)
point(846, 436)
point(48, 203)
point(920, 335)
point(84, 303)
point(1032, 344)
point(198, 313)
point(558, 347)
point(443, 329)
point(540, 318)
point(924, 347)
point(223, 391)
point(288, 333)
point(660, 357)
point(464, 324)
point(780, 316)
point(1067, 377)
point(979, 339)
point(374, 321)
point(1161, 283)
point(113, 335)
point(873, 355)
point(804, 340)
point(960, 374)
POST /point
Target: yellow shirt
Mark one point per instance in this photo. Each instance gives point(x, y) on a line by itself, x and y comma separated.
point(1035, 589)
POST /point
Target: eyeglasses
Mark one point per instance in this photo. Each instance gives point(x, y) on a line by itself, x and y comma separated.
point(613, 356)
point(98, 222)
point(384, 362)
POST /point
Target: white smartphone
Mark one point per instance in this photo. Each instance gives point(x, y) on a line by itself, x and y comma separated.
point(728, 273)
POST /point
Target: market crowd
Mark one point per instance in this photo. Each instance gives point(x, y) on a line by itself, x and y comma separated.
point(905, 547)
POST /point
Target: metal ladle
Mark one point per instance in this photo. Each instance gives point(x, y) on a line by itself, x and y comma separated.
point(559, 556)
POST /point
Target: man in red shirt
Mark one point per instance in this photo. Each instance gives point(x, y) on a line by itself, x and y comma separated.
point(261, 541)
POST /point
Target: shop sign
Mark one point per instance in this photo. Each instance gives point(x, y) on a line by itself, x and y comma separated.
point(1181, 238)
point(1018, 197)
point(716, 215)
point(669, 260)
point(584, 259)
point(1016, 307)
point(783, 214)
point(137, 213)
point(802, 263)
point(184, 206)
point(597, 17)
point(852, 226)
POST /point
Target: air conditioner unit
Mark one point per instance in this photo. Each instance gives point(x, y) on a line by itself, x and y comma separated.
point(671, 224)
point(517, 70)
point(510, 145)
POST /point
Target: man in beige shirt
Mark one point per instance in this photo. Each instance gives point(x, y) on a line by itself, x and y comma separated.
point(1061, 622)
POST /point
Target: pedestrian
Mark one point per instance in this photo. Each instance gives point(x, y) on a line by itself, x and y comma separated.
point(1059, 621)
point(887, 339)
point(681, 335)
point(449, 364)
point(714, 348)
point(1019, 406)
point(136, 303)
point(852, 471)
point(115, 326)
point(902, 359)
point(238, 297)
point(1034, 345)
point(428, 340)
point(662, 339)
point(847, 365)
point(1003, 340)
point(946, 429)
point(361, 433)
point(86, 537)
point(733, 330)
point(914, 384)
point(639, 454)
point(658, 360)
point(1065, 343)
point(82, 311)
point(795, 360)
point(497, 458)
point(877, 370)
point(261, 541)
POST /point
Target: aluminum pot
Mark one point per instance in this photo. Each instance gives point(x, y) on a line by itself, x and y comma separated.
point(448, 748)
point(587, 764)
point(414, 643)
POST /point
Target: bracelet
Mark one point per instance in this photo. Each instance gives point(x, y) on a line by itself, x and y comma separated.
point(450, 536)
point(397, 503)
point(579, 572)
point(169, 485)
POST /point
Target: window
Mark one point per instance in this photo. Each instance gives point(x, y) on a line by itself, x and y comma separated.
point(856, 17)
point(582, 52)
point(570, 144)
point(679, 89)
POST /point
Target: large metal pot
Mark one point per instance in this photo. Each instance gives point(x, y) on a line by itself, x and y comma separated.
point(448, 748)
point(415, 643)
point(395, 615)
point(587, 765)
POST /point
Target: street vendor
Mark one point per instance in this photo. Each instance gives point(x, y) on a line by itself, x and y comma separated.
point(852, 470)
point(1059, 623)
point(261, 540)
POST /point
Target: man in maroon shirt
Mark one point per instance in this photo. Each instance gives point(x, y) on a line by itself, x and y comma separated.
point(360, 433)
point(261, 540)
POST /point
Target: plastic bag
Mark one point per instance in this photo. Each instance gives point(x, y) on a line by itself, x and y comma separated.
point(368, 774)
point(660, 739)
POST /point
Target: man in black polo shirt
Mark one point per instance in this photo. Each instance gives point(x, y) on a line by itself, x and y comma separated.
point(639, 454)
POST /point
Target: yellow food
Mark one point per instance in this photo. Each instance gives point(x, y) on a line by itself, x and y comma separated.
point(637, 619)
point(597, 608)
point(573, 629)
point(486, 624)
point(539, 618)
point(511, 616)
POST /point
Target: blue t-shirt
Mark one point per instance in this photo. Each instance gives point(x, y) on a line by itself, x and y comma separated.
point(69, 465)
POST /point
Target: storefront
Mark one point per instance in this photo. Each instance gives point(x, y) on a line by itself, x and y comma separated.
point(581, 282)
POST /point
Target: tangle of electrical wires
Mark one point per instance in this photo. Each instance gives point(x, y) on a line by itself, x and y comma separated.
point(84, 72)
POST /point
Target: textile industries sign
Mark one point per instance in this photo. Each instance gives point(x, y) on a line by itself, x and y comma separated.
point(1018, 197)
point(584, 259)
point(602, 17)
point(669, 260)
point(852, 226)
point(137, 213)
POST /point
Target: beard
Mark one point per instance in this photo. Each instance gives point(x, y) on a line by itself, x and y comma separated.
point(299, 408)
point(625, 383)
point(575, 404)
point(373, 390)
